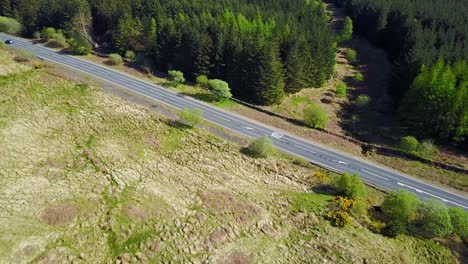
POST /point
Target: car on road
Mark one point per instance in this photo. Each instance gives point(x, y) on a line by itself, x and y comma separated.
point(9, 41)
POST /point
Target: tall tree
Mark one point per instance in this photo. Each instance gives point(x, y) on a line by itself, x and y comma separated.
point(270, 80)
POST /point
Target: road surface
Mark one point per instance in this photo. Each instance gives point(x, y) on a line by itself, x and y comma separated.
point(372, 174)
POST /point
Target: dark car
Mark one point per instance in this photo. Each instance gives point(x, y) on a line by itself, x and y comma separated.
point(9, 41)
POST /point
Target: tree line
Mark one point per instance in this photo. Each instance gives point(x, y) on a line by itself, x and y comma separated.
point(428, 43)
point(263, 49)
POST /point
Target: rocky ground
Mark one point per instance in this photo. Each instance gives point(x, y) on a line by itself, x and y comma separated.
point(86, 177)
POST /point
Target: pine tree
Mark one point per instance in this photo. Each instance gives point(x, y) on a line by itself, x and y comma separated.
point(201, 54)
point(295, 67)
point(151, 36)
point(5, 8)
point(270, 83)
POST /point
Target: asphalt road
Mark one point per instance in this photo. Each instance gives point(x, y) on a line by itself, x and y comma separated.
point(372, 174)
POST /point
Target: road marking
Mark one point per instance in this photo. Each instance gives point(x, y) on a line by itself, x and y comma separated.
point(430, 194)
point(368, 172)
point(277, 135)
point(248, 128)
point(340, 162)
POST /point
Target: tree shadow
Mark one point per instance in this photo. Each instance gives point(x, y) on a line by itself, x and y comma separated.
point(39, 41)
point(205, 97)
point(324, 189)
point(178, 124)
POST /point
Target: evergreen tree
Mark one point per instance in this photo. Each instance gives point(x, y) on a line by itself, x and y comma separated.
point(295, 69)
point(5, 8)
point(269, 88)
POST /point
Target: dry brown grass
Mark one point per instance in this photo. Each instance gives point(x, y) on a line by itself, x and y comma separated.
point(60, 214)
point(235, 258)
point(222, 203)
point(135, 212)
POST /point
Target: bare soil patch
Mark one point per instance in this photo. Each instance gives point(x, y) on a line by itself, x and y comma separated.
point(151, 140)
point(236, 258)
point(218, 237)
point(60, 214)
point(222, 203)
point(135, 212)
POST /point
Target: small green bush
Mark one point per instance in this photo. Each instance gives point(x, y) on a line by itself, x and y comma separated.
point(9, 25)
point(203, 81)
point(219, 87)
point(130, 55)
point(260, 148)
point(359, 77)
point(400, 209)
point(79, 44)
point(341, 89)
point(115, 59)
point(427, 149)
point(350, 186)
point(362, 101)
point(459, 218)
point(57, 40)
point(315, 117)
point(177, 77)
point(434, 219)
point(3, 46)
point(409, 144)
point(37, 35)
point(190, 116)
point(351, 55)
point(23, 55)
point(48, 32)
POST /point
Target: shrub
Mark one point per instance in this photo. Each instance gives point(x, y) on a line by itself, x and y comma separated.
point(190, 116)
point(394, 229)
point(57, 40)
point(409, 144)
point(359, 77)
point(340, 219)
point(115, 59)
point(202, 81)
point(79, 44)
point(219, 87)
point(347, 31)
point(9, 25)
point(300, 161)
point(23, 55)
point(363, 100)
point(351, 55)
point(37, 35)
point(177, 77)
point(427, 149)
point(350, 186)
point(400, 209)
point(459, 219)
point(377, 226)
point(130, 55)
point(341, 89)
point(48, 32)
point(260, 148)
point(342, 203)
point(315, 117)
point(434, 219)
point(3, 46)
point(323, 177)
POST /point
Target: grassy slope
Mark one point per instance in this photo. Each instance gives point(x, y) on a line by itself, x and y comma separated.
point(144, 189)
